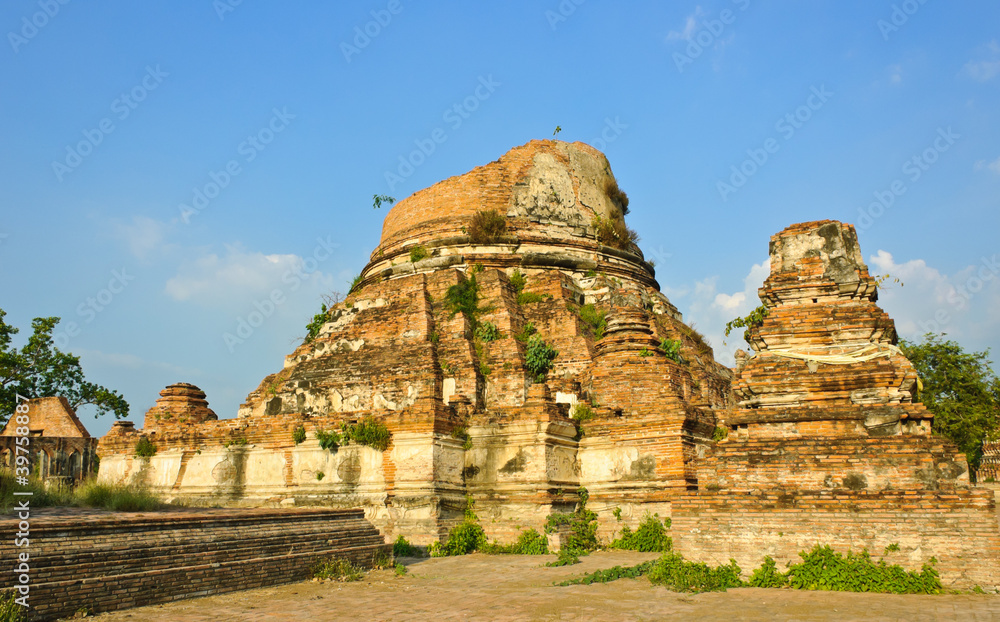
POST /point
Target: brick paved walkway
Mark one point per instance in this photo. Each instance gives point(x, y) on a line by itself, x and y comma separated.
point(480, 587)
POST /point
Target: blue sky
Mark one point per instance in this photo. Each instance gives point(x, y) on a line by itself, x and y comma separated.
point(724, 121)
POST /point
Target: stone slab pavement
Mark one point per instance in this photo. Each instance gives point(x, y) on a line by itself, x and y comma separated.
point(514, 587)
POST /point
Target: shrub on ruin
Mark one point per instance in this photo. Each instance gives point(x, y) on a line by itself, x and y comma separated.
point(614, 233)
point(336, 569)
point(527, 298)
point(313, 327)
point(299, 435)
point(328, 439)
point(369, 431)
point(144, 448)
point(672, 349)
point(594, 318)
point(418, 253)
point(525, 333)
point(463, 297)
point(720, 434)
point(675, 573)
point(355, 282)
point(538, 357)
point(750, 321)
point(464, 538)
point(581, 523)
point(650, 537)
point(487, 226)
point(616, 194)
point(583, 413)
point(487, 332)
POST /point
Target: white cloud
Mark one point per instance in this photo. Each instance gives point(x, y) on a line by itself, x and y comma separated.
point(895, 74)
point(690, 25)
point(992, 166)
point(985, 69)
point(239, 275)
point(708, 309)
point(960, 304)
point(143, 235)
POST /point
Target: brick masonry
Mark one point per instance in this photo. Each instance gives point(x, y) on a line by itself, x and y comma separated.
point(118, 561)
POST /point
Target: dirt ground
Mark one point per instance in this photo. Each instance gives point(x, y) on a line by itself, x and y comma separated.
point(480, 587)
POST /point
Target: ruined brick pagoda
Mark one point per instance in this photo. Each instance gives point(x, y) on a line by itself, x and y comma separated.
point(824, 417)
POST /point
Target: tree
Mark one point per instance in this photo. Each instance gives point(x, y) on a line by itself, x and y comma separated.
point(960, 389)
point(39, 369)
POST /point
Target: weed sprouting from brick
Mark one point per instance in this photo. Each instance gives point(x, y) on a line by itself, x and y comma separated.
point(487, 227)
point(144, 448)
point(299, 435)
point(538, 357)
point(581, 525)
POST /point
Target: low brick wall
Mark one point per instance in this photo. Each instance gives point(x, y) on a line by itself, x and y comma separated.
point(118, 561)
point(959, 528)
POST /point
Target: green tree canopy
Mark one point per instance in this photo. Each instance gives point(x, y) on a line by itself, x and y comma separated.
point(39, 369)
point(960, 389)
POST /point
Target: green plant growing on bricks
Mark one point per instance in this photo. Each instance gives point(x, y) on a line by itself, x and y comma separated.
point(487, 332)
point(464, 538)
point(650, 537)
point(417, 253)
point(754, 319)
point(299, 435)
point(144, 448)
point(328, 439)
point(369, 431)
point(313, 327)
point(582, 524)
point(672, 349)
point(594, 318)
point(538, 357)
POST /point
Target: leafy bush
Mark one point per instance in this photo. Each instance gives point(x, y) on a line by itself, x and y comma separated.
point(582, 524)
point(672, 348)
point(529, 542)
point(650, 537)
point(613, 232)
point(487, 332)
point(328, 439)
point(487, 226)
point(616, 194)
point(417, 253)
point(825, 569)
point(299, 434)
point(611, 574)
point(401, 570)
point(144, 448)
point(645, 352)
point(369, 431)
point(462, 433)
point(752, 320)
point(583, 413)
point(538, 357)
point(526, 332)
point(464, 538)
point(463, 297)
point(676, 574)
point(313, 327)
point(767, 575)
point(518, 280)
point(720, 434)
point(595, 319)
point(336, 569)
point(402, 548)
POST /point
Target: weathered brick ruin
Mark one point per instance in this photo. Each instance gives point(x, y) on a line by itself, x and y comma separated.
point(823, 420)
point(60, 448)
